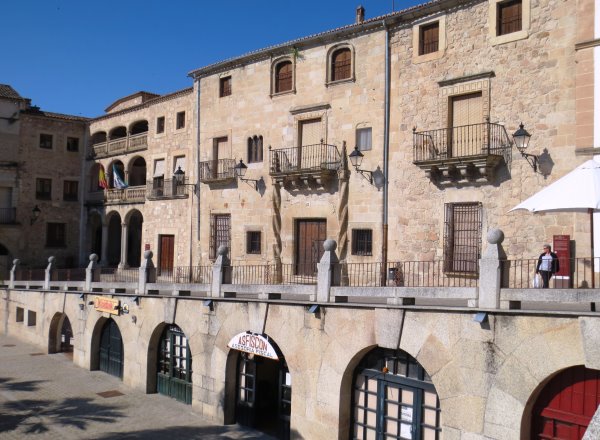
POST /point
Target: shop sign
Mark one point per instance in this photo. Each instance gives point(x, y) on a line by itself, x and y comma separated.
point(253, 343)
point(108, 305)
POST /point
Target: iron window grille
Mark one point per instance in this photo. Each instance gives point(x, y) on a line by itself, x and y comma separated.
point(220, 233)
point(362, 242)
point(73, 144)
point(225, 86)
point(43, 189)
point(46, 141)
point(462, 237)
point(509, 17)
point(429, 36)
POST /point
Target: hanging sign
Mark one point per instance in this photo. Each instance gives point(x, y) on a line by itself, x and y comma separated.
point(108, 305)
point(253, 343)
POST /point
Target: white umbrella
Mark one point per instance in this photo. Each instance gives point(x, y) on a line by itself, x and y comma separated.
point(577, 191)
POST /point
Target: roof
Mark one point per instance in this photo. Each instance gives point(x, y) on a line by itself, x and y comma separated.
point(372, 23)
point(7, 91)
point(35, 111)
point(145, 96)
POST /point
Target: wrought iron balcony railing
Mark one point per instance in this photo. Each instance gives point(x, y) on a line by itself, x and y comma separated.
point(122, 145)
point(220, 170)
point(7, 216)
point(317, 158)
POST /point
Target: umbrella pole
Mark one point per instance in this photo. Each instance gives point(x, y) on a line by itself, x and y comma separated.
point(591, 211)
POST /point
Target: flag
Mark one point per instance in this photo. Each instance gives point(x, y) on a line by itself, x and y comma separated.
point(102, 182)
point(118, 181)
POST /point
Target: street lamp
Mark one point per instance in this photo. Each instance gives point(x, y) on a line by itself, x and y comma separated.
point(179, 179)
point(521, 138)
point(375, 178)
point(35, 213)
point(240, 171)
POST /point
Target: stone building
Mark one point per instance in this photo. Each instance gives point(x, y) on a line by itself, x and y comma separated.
point(40, 193)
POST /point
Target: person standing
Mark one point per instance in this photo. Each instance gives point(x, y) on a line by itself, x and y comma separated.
point(547, 265)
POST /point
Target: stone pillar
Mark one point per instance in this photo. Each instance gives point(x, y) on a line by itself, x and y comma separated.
point(221, 272)
point(13, 273)
point(490, 272)
point(342, 213)
point(123, 263)
point(48, 274)
point(89, 272)
point(104, 248)
point(328, 271)
point(147, 272)
point(276, 225)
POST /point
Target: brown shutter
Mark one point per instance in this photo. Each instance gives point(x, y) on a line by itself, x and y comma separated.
point(509, 17)
point(341, 63)
point(430, 35)
point(310, 133)
point(283, 77)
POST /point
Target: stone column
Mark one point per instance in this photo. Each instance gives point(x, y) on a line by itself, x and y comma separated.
point(48, 274)
point(104, 248)
point(490, 272)
point(276, 224)
point(221, 272)
point(13, 273)
point(328, 271)
point(342, 214)
point(89, 272)
point(123, 263)
point(146, 272)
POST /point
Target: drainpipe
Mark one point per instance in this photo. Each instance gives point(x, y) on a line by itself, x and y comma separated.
point(386, 147)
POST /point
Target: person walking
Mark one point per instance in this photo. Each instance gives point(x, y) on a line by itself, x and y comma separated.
point(547, 265)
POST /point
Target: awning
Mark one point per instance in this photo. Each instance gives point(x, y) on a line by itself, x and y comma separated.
point(159, 168)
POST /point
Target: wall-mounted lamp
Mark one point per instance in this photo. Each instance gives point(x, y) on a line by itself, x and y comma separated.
point(209, 303)
point(374, 177)
point(82, 296)
point(35, 214)
point(521, 138)
point(240, 171)
point(481, 317)
point(179, 179)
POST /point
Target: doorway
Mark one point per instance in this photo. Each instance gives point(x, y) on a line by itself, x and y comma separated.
point(166, 251)
point(111, 349)
point(467, 132)
point(310, 236)
point(174, 369)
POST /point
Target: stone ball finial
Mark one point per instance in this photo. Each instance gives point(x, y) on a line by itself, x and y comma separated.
point(51, 259)
point(16, 262)
point(222, 250)
point(148, 254)
point(93, 257)
point(495, 236)
point(329, 245)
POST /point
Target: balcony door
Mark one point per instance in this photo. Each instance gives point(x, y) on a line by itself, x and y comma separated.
point(466, 138)
point(310, 235)
point(219, 152)
point(166, 251)
point(309, 134)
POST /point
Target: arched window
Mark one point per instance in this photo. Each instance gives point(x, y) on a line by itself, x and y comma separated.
point(283, 77)
point(255, 149)
point(341, 64)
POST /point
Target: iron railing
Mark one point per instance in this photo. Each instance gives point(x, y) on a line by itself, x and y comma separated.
point(273, 274)
point(167, 189)
point(214, 170)
point(125, 144)
point(77, 274)
point(116, 275)
point(182, 275)
point(461, 142)
point(308, 158)
point(574, 273)
point(8, 215)
point(29, 274)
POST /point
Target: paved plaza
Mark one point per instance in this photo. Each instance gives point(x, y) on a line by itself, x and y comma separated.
point(47, 397)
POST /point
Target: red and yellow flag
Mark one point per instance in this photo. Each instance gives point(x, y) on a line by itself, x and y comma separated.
point(102, 182)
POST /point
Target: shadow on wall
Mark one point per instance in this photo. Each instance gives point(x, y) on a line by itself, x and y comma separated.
point(195, 433)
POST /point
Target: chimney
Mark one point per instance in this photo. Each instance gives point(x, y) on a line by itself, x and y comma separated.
point(360, 14)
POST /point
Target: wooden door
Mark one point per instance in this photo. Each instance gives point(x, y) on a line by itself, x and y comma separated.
point(111, 349)
point(310, 235)
point(174, 377)
point(166, 250)
point(466, 138)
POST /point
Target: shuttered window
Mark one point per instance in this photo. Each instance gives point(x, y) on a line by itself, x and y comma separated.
point(509, 17)
point(310, 132)
point(341, 64)
point(283, 77)
point(429, 37)
point(462, 237)
point(220, 233)
point(225, 86)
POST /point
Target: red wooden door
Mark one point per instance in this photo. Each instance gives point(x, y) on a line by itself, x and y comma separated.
point(166, 252)
point(310, 235)
point(566, 405)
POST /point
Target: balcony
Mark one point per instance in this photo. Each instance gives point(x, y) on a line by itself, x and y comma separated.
point(133, 194)
point(470, 152)
point(166, 189)
point(123, 145)
point(8, 216)
point(217, 171)
point(307, 163)
point(94, 198)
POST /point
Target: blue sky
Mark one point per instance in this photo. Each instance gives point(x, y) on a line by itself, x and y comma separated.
point(78, 56)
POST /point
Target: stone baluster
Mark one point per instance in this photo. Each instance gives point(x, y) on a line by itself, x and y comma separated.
point(328, 271)
point(89, 272)
point(147, 272)
point(221, 272)
point(48, 274)
point(123, 263)
point(490, 272)
point(13, 273)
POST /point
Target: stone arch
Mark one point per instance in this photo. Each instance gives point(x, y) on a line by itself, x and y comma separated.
point(95, 343)
point(331, 53)
point(134, 219)
point(94, 233)
point(137, 171)
point(117, 132)
point(55, 331)
point(118, 165)
point(98, 137)
point(138, 127)
point(113, 221)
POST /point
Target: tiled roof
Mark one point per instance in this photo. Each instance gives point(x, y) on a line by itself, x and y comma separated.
point(34, 111)
point(7, 91)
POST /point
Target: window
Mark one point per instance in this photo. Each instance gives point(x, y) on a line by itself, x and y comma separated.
point(362, 242)
point(158, 178)
point(160, 124)
point(255, 149)
point(220, 233)
point(363, 138)
point(429, 38)
point(72, 144)
point(225, 86)
point(31, 318)
point(70, 190)
point(283, 77)
point(509, 17)
point(56, 235)
point(253, 240)
point(46, 141)
point(341, 64)
point(180, 120)
point(43, 189)
point(462, 237)
point(20, 314)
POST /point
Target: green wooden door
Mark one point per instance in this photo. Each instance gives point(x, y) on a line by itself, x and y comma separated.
point(175, 365)
point(111, 349)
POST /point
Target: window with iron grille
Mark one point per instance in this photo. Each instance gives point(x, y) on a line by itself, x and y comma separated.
point(220, 233)
point(160, 124)
point(225, 86)
point(341, 64)
point(56, 235)
point(180, 123)
point(72, 144)
point(253, 242)
point(255, 149)
point(509, 17)
point(70, 190)
point(462, 237)
point(43, 189)
point(283, 77)
point(362, 242)
point(46, 141)
point(429, 37)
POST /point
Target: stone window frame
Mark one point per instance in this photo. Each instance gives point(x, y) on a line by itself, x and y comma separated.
point(274, 65)
point(72, 140)
point(250, 231)
point(329, 60)
point(160, 124)
point(416, 37)
point(46, 141)
point(464, 86)
point(368, 242)
point(41, 182)
point(70, 184)
point(363, 126)
point(222, 80)
point(179, 127)
point(496, 39)
point(298, 119)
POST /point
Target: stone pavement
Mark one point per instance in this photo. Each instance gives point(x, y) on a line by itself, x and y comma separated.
point(47, 397)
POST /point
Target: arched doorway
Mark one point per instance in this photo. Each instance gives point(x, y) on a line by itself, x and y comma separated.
point(137, 172)
point(111, 356)
point(95, 234)
point(393, 397)
point(174, 368)
point(114, 240)
point(134, 238)
point(263, 387)
point(60, 337)
point(4, 263)
point(566, 404)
